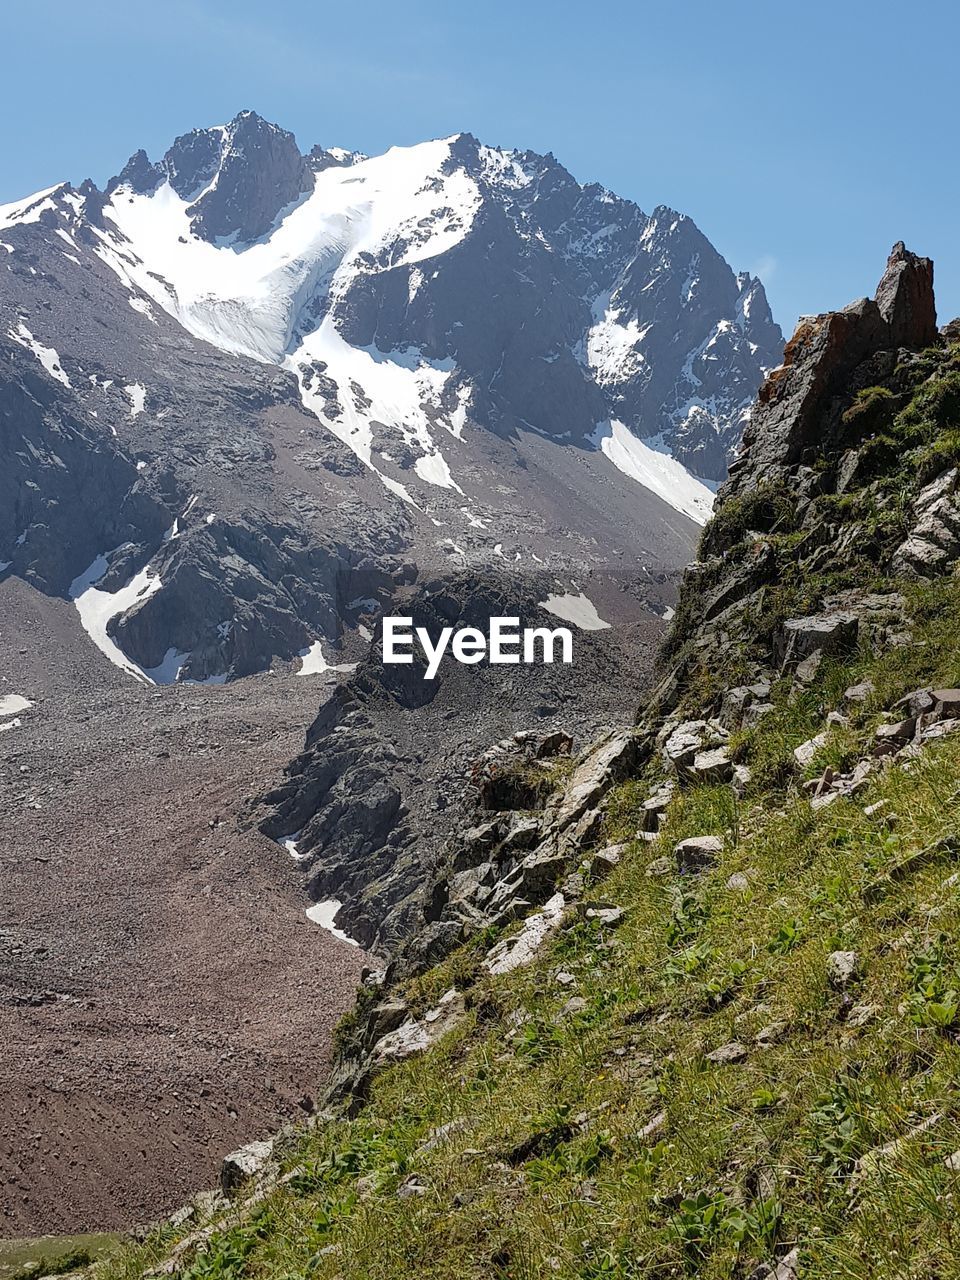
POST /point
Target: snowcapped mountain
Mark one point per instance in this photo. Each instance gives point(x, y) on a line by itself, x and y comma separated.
point(251, 375)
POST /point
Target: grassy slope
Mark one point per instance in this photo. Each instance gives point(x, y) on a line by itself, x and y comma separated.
point(602, 1141)
point(551, 1174)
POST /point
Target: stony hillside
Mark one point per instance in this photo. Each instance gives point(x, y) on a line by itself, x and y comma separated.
point(689, 1003)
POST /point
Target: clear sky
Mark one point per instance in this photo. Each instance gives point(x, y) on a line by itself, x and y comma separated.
point(804, 139)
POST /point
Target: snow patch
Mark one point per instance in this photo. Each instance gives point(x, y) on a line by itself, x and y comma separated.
point(137, 395)
point(578, 609)
point(12, 704)
point(324, 914)
point(47, 356)
point(290, 844)
point(313, 662)
point(396, 386)
point(612, 347)
point(168, 672)
point(433, 468)
point(144, 307)
point(23, 212)
point(98, 608)
point(655, 470)
point(258, 300)
point(249, 299)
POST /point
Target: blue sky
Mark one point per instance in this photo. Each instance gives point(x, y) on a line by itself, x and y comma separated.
point(803, 139)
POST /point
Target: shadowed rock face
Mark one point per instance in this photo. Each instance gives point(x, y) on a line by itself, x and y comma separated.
point(905, 298)
point(65, 487)
point(260, 171)
point(390, 775)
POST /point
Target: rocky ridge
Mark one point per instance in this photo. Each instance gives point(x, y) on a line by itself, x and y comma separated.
point(810, 435)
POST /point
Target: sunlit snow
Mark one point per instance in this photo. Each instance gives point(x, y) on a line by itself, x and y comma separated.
point(97, 608)
point(12, 704)
point(47, 356)
point(655, 470)
point(578, 609)
point(22, 212)
point(137, 395)
point(612, 347)
point(324, 913)
point(249, 301)
point(313, 662)
point(252, 299)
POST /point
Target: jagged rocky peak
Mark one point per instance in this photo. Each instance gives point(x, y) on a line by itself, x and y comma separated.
point(566, 308)
point(848, 475)
point(321, 158)
point(703, 333)
point(239, 176)
point(905, 298)
point(792, 413)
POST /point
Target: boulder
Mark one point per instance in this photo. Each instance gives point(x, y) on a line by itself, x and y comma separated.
point(511, 953)
point(713, 765)
point(601, 862)
point(243, 1164)
point(416, 1035)
point(755, 713)
point(772, 1033)
point(859, 692)
point(947, 703)
point(934, 538)
point(697, 854)
point(608, 916)
point(728, 1053)
point(831, 633)
point(806, 751)
point(788, 1268)
point(916, 703)
point(553, 744)
point(843, 967)
point(687, 739)
point(889, 737)
point(655, 806)
point(412, 1185)
point(861, 1014)
point(609, 761)
point(808, 667)
point(742, 777)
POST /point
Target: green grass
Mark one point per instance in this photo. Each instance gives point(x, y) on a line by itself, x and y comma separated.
point(548, 1171)
point(52, 1255)
point(599, 1139)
